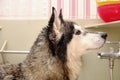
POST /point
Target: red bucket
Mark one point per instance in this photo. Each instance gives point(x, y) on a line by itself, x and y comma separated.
point(110, 12)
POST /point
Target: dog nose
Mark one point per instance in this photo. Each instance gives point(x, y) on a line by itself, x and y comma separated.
point(104, 35)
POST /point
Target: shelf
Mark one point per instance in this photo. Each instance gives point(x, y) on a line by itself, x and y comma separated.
point(97, 23)
point(86, 23)
point(114, 24)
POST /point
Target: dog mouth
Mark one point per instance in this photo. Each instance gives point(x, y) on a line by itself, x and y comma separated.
point(97, 48)
point(104, 37)
point(102, 44)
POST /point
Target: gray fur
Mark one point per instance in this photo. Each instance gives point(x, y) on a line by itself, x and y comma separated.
point(55, 55)
point(41, 64)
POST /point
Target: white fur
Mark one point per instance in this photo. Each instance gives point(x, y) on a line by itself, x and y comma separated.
point(78, 45)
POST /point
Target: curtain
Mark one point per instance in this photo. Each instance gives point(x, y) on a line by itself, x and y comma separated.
point(41, 9)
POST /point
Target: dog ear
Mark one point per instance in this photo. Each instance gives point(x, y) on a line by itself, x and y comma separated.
point(52, 18)
point(54, 21)
point(54, 25)
point(61, 16)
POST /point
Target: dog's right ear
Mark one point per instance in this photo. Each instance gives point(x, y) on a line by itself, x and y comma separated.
point(52, 18)
point(61, 16)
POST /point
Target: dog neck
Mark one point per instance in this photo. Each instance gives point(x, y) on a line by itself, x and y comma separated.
point(39, 48)
point(40, 55)
point(73, 59)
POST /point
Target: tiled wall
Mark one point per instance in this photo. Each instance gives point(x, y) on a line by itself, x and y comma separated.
point(41, 9)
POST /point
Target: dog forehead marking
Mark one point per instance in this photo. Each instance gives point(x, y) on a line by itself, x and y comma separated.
point(78, 27)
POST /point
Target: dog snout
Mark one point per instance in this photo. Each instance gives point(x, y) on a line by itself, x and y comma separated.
point(104, 35)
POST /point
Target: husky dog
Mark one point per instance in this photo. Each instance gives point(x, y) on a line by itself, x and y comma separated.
point(55, 55)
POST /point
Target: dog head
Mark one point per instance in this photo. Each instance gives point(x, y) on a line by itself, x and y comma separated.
point(69, 33)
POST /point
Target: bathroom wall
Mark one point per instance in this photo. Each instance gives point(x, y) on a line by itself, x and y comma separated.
point(21, 34)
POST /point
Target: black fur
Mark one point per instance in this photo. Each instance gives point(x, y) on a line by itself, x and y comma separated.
point(51, 36)
point(51, 21)
point(61, 16)
point(59, 48)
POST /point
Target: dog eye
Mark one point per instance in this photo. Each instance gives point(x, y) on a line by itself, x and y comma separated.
point(78, 32)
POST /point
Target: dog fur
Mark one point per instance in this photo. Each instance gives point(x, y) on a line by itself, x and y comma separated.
point(55, 55)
